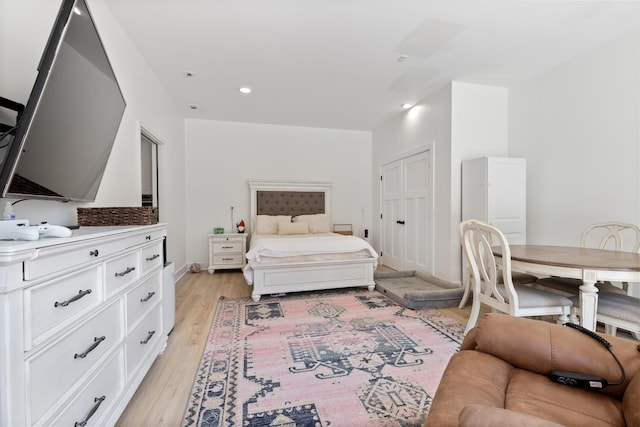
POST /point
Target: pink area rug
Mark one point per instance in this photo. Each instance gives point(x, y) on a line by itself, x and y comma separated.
point(339, 358)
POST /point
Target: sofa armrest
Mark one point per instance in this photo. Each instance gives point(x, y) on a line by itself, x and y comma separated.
point(489, 416)
point(541, 347)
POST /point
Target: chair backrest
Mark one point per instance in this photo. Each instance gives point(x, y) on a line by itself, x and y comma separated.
point(478, 238)
point(618, 236)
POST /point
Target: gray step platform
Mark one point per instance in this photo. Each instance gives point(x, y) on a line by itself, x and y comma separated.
point(417, 290)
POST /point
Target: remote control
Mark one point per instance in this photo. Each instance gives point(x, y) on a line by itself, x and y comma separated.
point(25, 232)
point(48, 230)
point(35, 232)
point(578, 380)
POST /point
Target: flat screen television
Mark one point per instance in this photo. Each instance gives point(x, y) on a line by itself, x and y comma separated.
point(62, 140)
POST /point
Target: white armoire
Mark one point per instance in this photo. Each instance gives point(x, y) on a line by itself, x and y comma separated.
point(494, 190)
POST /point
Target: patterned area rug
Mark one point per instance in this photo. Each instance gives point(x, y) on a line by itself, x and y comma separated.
point(340, 358)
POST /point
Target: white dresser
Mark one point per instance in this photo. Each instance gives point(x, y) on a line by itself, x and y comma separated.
point(227, 251)
point(80, 324)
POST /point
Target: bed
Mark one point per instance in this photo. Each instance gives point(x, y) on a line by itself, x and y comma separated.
point(292, 248)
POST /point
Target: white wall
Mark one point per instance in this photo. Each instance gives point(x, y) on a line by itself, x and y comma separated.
point(222, 157)
point(578, 126)
point(479, 128)
point(24, 30)
point(427, 125)
point(460, 121)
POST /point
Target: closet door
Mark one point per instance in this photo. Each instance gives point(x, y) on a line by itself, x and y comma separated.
point(416, 198)
point(406, 213)
point(392, 231)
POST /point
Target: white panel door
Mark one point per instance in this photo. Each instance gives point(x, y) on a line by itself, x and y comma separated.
point(406, 213)
point(391, 213)
point(417, 212)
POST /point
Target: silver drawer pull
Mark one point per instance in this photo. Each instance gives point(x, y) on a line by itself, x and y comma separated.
point(154, 256)
point(96, 342)
point(98, 401)
point(81, 293)
point(227, 247)
point(127, 271)
point(148, 297)
point(148, 337)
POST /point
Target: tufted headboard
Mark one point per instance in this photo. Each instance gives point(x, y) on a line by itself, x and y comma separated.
point(289, 198)
point(289, 202)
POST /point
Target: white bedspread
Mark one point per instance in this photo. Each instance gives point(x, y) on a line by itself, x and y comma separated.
point(305, 244)
point(321, 245)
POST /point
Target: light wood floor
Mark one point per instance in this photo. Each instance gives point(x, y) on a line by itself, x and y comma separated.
point(162, 397)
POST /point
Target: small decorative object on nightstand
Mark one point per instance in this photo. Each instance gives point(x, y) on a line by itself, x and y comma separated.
point(227, 251)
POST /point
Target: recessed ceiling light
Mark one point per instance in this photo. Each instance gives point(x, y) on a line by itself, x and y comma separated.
point(406, 106)
point(192, 106)
point(245, 90)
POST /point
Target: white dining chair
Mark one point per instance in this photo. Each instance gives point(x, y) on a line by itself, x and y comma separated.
point(517, 277)
point(615, 236)
point(518, 300)
point(615, 311)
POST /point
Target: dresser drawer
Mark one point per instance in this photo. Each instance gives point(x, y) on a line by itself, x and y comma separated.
point(56, 304)
point(56, 369)
point(151, 258)
point(150, 236)
point(228, 259)
point(230, 246)
point(101, 393)
point(122, 272)
point(60, 258)
point(141, 300)
point(143, 340)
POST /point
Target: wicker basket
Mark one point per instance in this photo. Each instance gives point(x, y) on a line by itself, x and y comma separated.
point(117, 216)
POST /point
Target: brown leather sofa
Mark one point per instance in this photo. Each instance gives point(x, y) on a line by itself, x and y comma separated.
point(500, 378)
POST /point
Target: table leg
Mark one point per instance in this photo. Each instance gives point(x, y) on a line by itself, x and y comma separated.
point(588, 301)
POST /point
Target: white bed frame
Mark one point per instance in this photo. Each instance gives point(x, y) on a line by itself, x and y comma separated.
point(311, 275)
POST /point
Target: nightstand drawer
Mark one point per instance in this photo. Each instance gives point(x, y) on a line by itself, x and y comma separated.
point(220, 260)
point(230, 246)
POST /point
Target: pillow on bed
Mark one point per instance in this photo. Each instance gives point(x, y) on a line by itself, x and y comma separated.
point(268, 224)
point(318, 223)
point(293, 227)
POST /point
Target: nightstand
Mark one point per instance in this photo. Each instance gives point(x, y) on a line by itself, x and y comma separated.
point(227, 251)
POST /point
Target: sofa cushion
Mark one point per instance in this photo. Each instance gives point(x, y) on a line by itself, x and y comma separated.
point(536, 395)
point(541, 347)
point(470, 378)
point(488, 416)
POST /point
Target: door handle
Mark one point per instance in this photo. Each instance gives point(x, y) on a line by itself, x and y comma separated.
point(400, 222)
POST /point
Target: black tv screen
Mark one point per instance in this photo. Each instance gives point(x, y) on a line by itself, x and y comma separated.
point(63, 139)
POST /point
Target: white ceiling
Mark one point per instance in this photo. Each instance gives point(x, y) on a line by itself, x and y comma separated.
point(334, 63)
